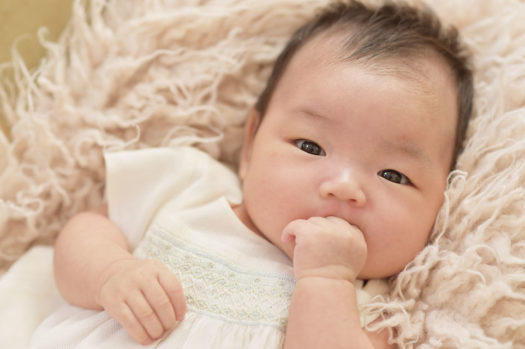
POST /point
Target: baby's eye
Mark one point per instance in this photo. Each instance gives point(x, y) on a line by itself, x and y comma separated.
point(310, 147)
point(394, 176)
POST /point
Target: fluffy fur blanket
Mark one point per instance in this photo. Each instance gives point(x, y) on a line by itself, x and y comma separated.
point(145, 73)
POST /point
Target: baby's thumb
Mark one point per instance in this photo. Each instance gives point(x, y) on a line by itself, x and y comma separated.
point(288, 234)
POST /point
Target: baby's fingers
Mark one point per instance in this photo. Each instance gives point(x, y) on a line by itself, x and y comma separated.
point(146, 315)
point(132, 325)
point(291, 230)
point(174, 291)
point(160, 303)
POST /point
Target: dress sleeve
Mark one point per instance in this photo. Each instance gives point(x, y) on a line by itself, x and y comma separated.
point(140, 182)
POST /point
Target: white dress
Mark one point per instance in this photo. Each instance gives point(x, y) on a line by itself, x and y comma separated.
point(175, 205)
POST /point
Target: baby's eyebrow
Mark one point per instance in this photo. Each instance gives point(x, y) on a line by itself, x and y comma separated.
point(312, 114)
point(410, 149)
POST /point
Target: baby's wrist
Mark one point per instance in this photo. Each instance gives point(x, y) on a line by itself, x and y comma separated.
point(322, 284)
point(330, 273)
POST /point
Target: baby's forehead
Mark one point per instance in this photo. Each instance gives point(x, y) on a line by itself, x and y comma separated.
point(420, 68)
point(424, 77)
point(426, 73)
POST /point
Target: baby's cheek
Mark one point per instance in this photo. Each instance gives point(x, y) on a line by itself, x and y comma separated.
point(391, 244)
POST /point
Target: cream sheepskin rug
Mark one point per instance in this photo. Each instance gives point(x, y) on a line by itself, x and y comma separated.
point(134, 74)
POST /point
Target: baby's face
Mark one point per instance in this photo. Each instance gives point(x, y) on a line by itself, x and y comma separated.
point(339, 140)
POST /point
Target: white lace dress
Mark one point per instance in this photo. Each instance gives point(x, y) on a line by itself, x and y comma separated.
point(175, 205)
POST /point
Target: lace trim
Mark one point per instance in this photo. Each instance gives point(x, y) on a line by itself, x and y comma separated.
point(218, 287)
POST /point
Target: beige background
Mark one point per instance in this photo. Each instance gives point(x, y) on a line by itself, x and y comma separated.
point(19, 23)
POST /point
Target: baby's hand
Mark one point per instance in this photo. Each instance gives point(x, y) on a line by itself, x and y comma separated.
point(326, 247)
point(143, 296)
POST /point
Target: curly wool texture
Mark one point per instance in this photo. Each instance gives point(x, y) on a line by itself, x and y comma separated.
point(134, 74)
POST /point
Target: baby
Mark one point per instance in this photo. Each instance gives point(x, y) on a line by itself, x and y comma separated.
point(342, 172)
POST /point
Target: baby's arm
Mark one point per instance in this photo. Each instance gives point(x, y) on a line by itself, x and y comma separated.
point(94, 269)
point(328, 255)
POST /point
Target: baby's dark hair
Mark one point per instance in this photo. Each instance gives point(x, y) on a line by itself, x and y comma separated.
point(393, 30)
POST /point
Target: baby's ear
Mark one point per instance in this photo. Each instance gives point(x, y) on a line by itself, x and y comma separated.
point(250, 129)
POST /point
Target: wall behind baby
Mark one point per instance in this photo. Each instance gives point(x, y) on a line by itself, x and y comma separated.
point(20, 21)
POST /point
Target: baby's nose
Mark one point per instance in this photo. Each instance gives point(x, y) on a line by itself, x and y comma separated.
point(344, 187)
